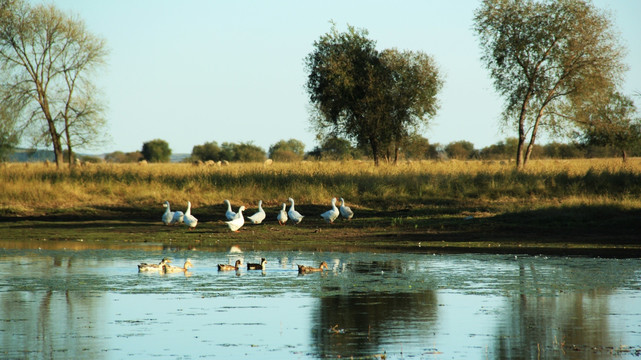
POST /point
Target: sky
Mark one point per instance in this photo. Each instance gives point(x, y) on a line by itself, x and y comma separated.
point(196, 71)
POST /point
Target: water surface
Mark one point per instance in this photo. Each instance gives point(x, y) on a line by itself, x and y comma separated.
point(93, 303)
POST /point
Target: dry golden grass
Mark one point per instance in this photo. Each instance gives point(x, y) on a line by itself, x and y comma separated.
point(36, 188)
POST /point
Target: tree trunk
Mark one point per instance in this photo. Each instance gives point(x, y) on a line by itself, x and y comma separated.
point(624, 155)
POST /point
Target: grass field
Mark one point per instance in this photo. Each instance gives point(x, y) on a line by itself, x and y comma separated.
point(582, 203)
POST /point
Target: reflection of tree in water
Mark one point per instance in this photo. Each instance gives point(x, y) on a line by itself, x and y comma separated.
point(362, 323)
point(40, 315)
point(575, 318)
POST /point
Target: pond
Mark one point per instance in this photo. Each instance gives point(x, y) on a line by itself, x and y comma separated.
point(84, 302)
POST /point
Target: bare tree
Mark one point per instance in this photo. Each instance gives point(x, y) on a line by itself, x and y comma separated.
point(46, 59)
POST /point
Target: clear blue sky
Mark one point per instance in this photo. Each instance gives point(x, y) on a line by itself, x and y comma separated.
point(194, 71)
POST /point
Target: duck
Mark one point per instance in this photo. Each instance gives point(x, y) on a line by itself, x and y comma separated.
point(170, 217)
point(302, 269)
point(331, 214)
point(189, 219)
point(293, 214)
point(260, 266)
point(145, 267)
point(169, 269)
point(282, 215)
point(259, 216)
point(345, 211)
point(230, 215)
point(237, 222)
point(226, 267)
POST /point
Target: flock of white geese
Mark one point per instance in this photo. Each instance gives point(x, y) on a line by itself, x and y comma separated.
point(236, 220)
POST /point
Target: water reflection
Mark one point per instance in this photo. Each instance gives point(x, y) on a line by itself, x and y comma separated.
point(93, 303)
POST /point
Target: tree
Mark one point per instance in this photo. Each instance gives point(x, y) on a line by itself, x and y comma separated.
point(417, 147)
point(121, 157)
point(9, 136)
point(613, 121)
point(543, 54)
point(290, 150)
point(372, 97)
point(46, 58)
point(460, 150)
point(156, 151)
point(243, 152)
point(206, 151)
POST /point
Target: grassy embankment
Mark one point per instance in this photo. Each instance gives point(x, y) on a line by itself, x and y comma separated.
point(573, 206)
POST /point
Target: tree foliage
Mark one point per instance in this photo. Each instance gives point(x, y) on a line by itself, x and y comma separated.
point(613, 121)
point(207, 151)
point(156, 151)
point(375, 98)
point(290, 150)
point(543, 56)
point(46, 58)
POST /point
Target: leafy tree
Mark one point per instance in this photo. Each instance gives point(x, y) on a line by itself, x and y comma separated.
point(121, 157)
point(9, 136)
point(206, 151)
point(335, 148)
point(156, 151)
point(613, 122)
point(543, 55)
point(372, 97)
point(460, 149)
point(504, 149)
point(290, 150)
point(46, 58)
point(243, 152)
point(417, 147)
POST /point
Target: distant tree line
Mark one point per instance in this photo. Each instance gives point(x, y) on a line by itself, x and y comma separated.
point(415, 147)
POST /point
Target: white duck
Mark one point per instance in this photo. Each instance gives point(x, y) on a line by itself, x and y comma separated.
point(293, 214)
point(282, 215)
point(189, 219)
point(238, 221)
point(345, 211)
point(229, 214)
point(331, 214)
point(259, 216)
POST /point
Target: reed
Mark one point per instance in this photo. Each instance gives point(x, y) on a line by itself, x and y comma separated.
point(36, 188)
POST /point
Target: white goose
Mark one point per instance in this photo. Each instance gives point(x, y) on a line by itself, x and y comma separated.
point(168, 215)
point(230, 215)
point(331, 214)
point(259, 216)
point(238, 221)
point(189, 219)
point(345, 211)
point(282, 215)
point(293, 214)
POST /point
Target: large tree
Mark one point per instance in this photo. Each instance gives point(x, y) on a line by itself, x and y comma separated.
point(375, 98)
point(543, 55)
point(157, 150)
point(46, 59)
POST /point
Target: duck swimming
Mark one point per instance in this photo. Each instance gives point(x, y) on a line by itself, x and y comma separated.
point(145, 267)
point(226, 267)
point(307, 269)
point(169, 269)
point(260, 266)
